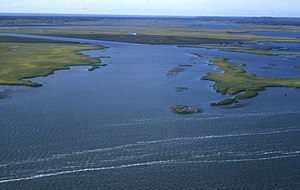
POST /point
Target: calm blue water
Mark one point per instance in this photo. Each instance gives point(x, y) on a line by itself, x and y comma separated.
point(112, 128)
point(218, 25)
point(278, 34)
point(271, 66)
point(261, 65)
point(272, 34)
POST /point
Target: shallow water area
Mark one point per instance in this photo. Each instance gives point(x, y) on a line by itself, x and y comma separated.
point(282, 66)
point(277, 34)
point(217, 25)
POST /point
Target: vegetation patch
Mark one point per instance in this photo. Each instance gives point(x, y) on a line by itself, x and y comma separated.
point(224, 102)
point(179, 109)
point(186, 65)
point(96, 66)
point(206, 56)
point(104, 57)
point(181, 89)
point(174, 71)
point(166, 33)
point(260, 50)
point(11, 39)
point(235, 81)
point(236, 106)
point(21, 60)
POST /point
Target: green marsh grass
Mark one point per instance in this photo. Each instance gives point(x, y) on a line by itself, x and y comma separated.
point(22, 60)
point(235, 81)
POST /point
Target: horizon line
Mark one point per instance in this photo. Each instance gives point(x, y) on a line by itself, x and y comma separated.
point(137, 15)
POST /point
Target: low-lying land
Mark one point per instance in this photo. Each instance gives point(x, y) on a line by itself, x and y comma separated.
point(235, 81)
point(158, 35)
point(66, 20)
point(178, 109)
point(21, 59)
point(56, 20)
point(181, 89)
point(260, 50)
point(24, 58)
point(155, 30)
point(174, 71)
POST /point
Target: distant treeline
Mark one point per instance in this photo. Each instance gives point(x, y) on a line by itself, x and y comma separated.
point(256, 20)
point(10, 20)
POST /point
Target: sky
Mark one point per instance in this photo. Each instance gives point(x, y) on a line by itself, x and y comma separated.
point(275, 8)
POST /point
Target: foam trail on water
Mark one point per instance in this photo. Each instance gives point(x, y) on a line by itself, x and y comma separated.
point(210, 117)
point(145, 143)
point(220, 136)
point(86, 170)
point(207, 117)
point(167, 162)
point(241, 160)
point(59, 156)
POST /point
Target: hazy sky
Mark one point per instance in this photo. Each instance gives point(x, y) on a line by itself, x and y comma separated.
point(287, 8)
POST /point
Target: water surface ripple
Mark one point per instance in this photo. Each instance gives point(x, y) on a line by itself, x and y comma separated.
point(112, 128)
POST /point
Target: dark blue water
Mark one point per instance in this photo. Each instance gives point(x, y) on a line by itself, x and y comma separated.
point(272, 33)
point(112, 128)
point(261, 65)
point(217, 25)
point(286, 66)
point(277, 34)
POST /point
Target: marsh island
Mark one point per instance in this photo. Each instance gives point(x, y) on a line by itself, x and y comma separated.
point(24, 58)
point(234, 80)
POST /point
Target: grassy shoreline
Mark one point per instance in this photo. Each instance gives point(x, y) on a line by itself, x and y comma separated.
point(258, 50)
point(235, 81)
point(157, 35)
point(21, 61)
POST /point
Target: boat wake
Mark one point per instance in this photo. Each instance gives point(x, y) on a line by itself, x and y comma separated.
point(144, 145)
point(144, 164)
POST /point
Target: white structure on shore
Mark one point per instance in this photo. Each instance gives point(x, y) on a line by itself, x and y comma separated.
point(132, 33)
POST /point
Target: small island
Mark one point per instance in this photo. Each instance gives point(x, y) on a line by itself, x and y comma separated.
point(179, 109)
point(174, 71)
point(259, 50)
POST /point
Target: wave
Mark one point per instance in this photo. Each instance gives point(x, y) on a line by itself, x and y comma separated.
point(146, 143)
point(246, 159)
point(222, 136)
point(204, 117)
point(85, 170)
point(164, 162)
point(239, 115)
